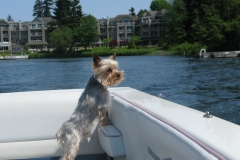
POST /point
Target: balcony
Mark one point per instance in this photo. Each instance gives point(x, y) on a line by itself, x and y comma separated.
point(154, 28)
point(36, 34)
point(121, 31)
point(36, 27)
point(145, 22)
point(36, 40)
point(129, 24)
point(121, 24)
point(129, 31)
point(5, 35)
point(122, 38)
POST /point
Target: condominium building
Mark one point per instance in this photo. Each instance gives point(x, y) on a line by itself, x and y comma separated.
point(121, 27)
point(34, 34)
point(149, 26)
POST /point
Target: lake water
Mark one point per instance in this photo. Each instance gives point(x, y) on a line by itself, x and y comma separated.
point(204, 84)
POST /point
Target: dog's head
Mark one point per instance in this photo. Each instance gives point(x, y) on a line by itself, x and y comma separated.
point(106, 70)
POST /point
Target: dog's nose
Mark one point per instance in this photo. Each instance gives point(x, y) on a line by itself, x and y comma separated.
point(118, 75)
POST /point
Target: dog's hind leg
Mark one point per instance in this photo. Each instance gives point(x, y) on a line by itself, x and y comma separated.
point(70, 144)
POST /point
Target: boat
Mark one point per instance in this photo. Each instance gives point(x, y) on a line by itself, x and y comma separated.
point(144, 127)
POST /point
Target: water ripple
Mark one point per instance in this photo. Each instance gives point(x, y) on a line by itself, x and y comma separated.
point(203, 84)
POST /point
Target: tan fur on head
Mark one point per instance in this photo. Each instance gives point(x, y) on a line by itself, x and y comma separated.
point(106, 70)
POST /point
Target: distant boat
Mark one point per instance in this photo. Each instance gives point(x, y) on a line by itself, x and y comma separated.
point(144, 127)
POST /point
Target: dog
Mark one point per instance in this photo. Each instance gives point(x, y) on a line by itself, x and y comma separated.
point(95, 99)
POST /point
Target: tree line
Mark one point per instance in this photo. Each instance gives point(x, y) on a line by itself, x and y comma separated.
point(211, 23)
point(69, 24)
point(214, 23)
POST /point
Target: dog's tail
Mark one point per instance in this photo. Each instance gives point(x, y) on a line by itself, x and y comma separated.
point(69, 139)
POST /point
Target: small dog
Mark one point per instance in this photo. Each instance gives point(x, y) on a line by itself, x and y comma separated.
point(95, 99)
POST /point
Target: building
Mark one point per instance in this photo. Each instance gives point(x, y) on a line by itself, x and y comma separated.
point(149, 27)
point(121, 27)
point(34, 34)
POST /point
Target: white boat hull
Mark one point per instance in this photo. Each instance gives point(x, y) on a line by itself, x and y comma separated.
point(152, 128)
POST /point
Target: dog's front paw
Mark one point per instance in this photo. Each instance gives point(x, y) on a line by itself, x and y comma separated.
point(104, 122)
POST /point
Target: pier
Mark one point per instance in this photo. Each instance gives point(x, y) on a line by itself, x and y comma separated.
point(227, 54)
point(13, 57)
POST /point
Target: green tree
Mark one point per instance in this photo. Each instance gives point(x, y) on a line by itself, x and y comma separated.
point(26, 48)
point(161, 43)
point(175, 32)
point(9, 18)
point(132, 12)
point(140, 13)
point(157, 5)
point(75, 13)
point(61, 12)
point(37, 9)
point(211, 22)
point(46, 7)
point(132, 43)
point(86, 32)
point(60, 38)
point(107, 40)
point(67, 13)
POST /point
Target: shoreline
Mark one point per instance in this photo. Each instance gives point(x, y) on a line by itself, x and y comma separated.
point(100, 53)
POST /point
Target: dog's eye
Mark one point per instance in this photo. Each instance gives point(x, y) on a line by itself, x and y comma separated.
point(109, 70)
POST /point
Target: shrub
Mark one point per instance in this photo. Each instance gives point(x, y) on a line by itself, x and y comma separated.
point(26, 47)
point(113, 43)
point(131, 45)
point(187, 49)
point(124, 43)
point(161, 43)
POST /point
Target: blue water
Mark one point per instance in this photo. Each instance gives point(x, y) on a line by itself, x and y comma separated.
point(204, 84)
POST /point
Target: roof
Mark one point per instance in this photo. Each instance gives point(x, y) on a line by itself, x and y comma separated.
point(46, 19)
point(119, 17)
point(43, 19)
point(3, 21)
point(153, 13)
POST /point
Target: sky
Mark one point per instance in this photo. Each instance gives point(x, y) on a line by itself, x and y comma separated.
point(23, 9)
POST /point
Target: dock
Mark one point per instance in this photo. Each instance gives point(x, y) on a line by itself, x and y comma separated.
point(13, 57)
point(227, 54)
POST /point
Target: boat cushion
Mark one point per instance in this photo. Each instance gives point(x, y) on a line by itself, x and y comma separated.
point(111, 141)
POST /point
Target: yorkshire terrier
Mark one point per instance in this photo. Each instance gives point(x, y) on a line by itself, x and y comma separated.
point(95, 99)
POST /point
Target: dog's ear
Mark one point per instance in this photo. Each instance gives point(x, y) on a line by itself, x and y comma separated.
point(113, 56)
point(96, 60)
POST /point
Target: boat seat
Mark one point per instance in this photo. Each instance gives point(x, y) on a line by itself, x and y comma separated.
point(111, 141)
point(146, 135)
